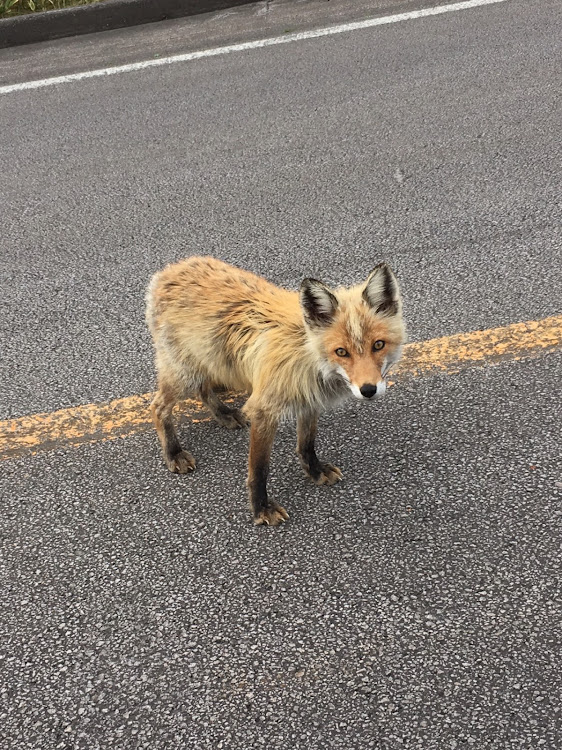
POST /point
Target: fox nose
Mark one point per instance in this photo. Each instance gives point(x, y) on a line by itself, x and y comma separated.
point(368, 391)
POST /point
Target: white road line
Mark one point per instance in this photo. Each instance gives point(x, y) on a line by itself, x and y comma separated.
point(272, 41)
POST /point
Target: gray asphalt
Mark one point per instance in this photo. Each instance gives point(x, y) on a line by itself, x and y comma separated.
point(415, 605)
point(427, 143)
point(248, 22)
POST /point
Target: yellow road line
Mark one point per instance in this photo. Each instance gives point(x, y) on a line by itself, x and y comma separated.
point(451, 354)
point(128, 416)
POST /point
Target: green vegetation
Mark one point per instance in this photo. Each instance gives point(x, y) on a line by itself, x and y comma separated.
point(9, 8)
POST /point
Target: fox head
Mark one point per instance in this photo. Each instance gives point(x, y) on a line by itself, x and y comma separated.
point(357, 331)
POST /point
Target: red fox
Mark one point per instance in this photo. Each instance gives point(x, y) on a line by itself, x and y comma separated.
point(296, 354)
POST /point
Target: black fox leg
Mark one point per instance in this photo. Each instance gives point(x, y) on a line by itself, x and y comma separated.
point(319, 472)
point(232, 419)
point(265, 511)
point(177, 460)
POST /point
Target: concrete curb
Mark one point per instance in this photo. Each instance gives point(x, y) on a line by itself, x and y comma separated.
point(109, 14)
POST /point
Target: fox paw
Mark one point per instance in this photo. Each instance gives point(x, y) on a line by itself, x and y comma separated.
point(181, 463)
point(273, 515)
point(232, 419)
point(327, 474)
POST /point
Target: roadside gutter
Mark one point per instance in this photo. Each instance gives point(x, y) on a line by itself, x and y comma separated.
point(102, 16)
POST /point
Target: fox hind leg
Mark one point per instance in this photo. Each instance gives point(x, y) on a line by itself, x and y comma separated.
point(178, 460)
point(228, 417)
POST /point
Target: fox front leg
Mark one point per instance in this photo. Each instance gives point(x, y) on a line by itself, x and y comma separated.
point(319, 472)
point(265, 511)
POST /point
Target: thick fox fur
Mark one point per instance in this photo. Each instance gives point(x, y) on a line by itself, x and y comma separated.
point(296, 354)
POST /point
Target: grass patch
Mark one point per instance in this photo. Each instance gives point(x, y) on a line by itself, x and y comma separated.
point(9, 8)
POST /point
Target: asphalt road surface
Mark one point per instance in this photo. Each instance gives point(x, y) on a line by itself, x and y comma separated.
point(416, 604)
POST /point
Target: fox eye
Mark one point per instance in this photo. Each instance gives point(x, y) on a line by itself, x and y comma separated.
point(341, 352)
point(378, 345)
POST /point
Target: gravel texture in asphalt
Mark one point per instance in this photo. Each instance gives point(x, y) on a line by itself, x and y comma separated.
point(415, 604)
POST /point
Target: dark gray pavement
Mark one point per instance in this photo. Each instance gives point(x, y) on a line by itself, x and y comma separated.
point(415, 605)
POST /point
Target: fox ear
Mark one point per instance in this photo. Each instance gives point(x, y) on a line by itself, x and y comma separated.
point(318, 303)
point(381, 292)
